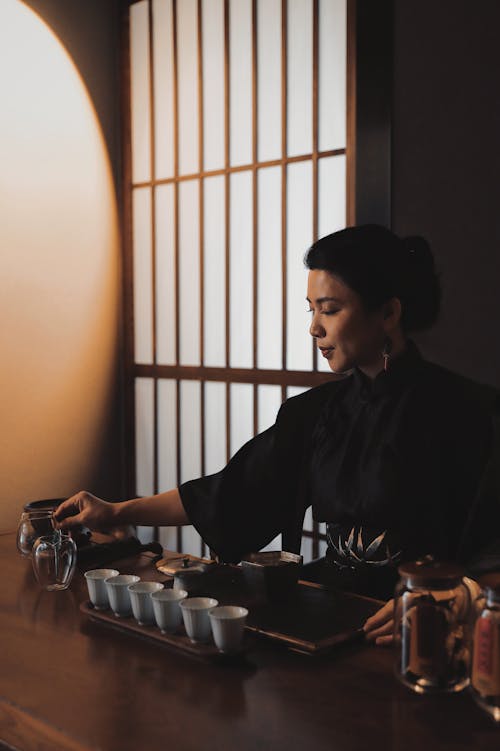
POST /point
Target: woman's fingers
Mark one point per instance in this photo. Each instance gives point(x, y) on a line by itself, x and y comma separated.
point(69, 507)
point(380, 617)
point(70, 522)
point(379, 627)
point(385, 630)
point(79, 509)
point(384, 641)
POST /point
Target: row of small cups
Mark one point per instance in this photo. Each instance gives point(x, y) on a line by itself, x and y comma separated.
point(150, 602)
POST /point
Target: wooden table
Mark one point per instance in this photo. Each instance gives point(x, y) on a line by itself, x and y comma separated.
point(67, 683)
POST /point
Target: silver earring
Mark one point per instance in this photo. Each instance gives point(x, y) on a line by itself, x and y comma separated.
point(386, 352)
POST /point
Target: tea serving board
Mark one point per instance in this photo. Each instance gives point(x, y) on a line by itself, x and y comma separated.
point(179, 640)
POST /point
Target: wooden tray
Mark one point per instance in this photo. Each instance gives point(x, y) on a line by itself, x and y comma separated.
point(179, 641)
point(312, 621)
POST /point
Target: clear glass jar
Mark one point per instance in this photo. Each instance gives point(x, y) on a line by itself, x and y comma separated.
point(485, 678)
point(54, 560)
point(432, 627)
point(33, 524)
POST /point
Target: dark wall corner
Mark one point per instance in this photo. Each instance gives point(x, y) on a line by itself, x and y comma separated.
point(445, 167)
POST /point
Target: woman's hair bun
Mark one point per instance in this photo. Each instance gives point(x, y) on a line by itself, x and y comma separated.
point(419, 250)
point(423, 288)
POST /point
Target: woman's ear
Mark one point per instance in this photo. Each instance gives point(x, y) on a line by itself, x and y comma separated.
point(391, 313)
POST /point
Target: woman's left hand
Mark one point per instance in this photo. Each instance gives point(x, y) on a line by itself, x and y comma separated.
point(379, 627)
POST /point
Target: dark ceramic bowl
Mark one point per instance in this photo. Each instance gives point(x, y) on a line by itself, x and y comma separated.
point(271, 574)
point(43, 504)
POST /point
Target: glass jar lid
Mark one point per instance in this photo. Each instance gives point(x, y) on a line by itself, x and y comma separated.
point(431, 573)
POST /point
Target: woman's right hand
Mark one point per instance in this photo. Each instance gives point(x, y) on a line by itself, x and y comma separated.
point(86, 509)
point(380, 626)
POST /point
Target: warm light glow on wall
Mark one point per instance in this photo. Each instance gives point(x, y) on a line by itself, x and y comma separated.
point(58, 268)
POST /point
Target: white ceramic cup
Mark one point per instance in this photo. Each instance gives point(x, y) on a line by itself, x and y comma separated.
point(97, 588)
point(228, 625)
point(166, 606)
point(118, 594)
point(140, 599)
point(195, 612)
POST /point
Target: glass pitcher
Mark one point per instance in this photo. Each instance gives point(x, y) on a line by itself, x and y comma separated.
point(54, 560)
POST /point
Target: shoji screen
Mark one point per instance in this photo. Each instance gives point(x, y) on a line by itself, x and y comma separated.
point(238, 159)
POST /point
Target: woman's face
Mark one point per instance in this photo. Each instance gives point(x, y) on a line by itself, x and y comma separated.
point(346, 334)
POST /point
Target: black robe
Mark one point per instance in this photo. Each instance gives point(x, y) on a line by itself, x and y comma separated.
point(399, 467)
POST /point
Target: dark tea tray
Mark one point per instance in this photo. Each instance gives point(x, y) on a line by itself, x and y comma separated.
point(307, 618)
point(313, 619)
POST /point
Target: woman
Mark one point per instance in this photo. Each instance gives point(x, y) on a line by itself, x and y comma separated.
point(395, 457)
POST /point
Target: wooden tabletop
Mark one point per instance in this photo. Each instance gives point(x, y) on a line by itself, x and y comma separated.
point(67, 683)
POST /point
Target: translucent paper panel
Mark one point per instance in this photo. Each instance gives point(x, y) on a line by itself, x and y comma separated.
point(269, 78)
point(190, 425)
point(213, 83)
point(215, 426)
point(187, 71)
point(167, 449)
point(190, 447)
point(275, 544)
point(165, 274)
point(307, 546)
point(306, 549)
point(167, 434)
point(270, 311)
point(322, 543)
point(331, 206)
point(240, 72)
point(163, 87)
point(295, 390)
point(269, 404)
point(241, 271)
point(300, 77)
point(241, 415)
point(214, 313)
point(308, 520)
point(191, 541)
point(143, 279)
point(139, 92)
point(299, 234)
point(144, 436)
point(189, 272)
point(332, 74)
point(331, 194)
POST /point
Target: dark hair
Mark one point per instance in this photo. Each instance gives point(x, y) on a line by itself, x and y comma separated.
point(378, 265)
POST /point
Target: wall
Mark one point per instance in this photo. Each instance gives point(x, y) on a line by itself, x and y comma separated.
point(60, 265)
point(446, 163)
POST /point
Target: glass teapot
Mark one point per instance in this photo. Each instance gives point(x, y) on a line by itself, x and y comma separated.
point(33, 524)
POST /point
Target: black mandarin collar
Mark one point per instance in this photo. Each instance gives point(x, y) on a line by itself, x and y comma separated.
point(402, 370)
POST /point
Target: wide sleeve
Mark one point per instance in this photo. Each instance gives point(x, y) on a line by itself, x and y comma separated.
point(262, 490)
point(242, 507)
